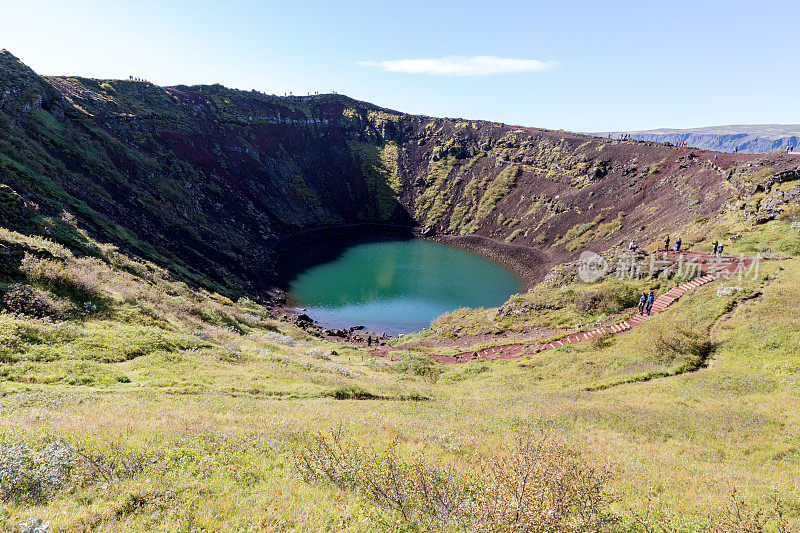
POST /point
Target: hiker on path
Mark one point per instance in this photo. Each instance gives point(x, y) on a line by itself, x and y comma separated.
point(650, 299)
point(642, 302)
point(719, 250)
point(666, 244)
point(632, 246)
point(678, 245)
point(716, 247)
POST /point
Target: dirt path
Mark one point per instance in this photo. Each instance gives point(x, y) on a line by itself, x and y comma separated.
point(712, 267)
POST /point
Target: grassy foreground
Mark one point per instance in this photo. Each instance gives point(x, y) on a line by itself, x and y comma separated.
point(130, 402)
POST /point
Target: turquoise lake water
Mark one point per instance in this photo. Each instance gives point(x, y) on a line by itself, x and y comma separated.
point(397, 286)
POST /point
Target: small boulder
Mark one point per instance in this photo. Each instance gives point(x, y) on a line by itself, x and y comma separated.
point(302, 320)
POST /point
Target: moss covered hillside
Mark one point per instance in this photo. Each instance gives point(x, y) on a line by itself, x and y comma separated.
point(209, 181)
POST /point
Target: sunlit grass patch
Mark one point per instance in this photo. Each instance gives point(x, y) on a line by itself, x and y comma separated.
point(66, 372)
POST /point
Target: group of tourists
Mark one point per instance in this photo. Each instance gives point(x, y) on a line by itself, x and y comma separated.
point(646, 302)
point(376, 339)
point(675, 248)
point(678, 246)
point(718, 246)
point(646, 299)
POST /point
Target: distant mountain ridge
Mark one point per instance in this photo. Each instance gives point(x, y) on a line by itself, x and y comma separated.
point(748, 138)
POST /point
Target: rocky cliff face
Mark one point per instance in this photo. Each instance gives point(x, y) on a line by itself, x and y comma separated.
point(210, 182)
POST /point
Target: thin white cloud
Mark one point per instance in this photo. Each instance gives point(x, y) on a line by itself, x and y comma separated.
point(462, 66)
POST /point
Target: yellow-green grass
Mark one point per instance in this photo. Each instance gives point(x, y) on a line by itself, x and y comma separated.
point(219, 411)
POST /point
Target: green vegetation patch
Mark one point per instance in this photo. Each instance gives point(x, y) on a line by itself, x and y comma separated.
point(380, 171)
point(497, 190)
point(580, 235)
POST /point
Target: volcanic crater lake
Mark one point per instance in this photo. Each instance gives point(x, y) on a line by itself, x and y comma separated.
point(394, 285)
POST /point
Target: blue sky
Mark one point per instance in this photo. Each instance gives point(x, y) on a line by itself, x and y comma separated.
point(575, 65)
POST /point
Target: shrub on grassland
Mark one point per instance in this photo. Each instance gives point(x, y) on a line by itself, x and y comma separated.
point(735, 515)
point(316, 353)
point(275, 337)
point(739, 517)
point(77, 277)
point(420, 365)
point(218, 317)
point(602, 340)
point(339, 369)
point(35, 302)
point(31, 475)
point(673, 341)
point(538, 485)
point(611, 297)
point(791, 213)
point(111, 462)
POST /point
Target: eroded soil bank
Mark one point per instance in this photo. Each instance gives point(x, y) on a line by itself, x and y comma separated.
point(529, 264)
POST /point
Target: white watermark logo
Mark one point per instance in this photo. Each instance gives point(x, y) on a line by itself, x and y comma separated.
point(591, 267)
